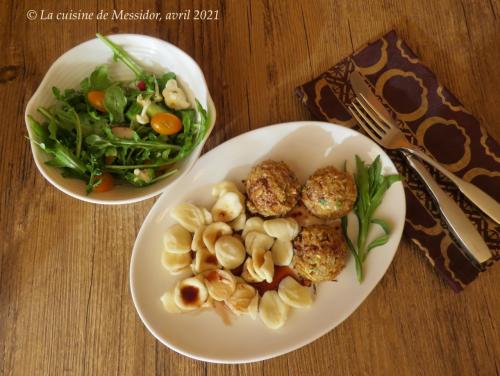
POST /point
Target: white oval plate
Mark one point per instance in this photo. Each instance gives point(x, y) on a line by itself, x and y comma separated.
point(305, 147)
point(153, 54)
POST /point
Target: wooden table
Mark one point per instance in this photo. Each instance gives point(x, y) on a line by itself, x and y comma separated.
point(65, 305)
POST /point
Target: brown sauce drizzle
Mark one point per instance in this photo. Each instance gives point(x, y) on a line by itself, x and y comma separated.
point(238, 270)
point(280, 272)
point(211, 259)
point(212, 276)
point(190, 294)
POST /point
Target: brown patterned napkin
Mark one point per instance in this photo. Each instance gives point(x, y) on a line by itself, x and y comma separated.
point(430, 116)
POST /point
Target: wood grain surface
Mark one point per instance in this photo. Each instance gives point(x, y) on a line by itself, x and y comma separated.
point(65, 305)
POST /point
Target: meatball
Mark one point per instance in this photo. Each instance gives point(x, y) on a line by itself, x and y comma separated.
point(272, 189)
point(305, 218)
point(329, 193)
point(320, 253)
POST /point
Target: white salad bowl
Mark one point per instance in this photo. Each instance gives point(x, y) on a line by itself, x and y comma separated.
point(72, 67)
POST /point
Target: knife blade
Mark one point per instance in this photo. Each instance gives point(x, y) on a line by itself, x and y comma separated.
point(361, 88)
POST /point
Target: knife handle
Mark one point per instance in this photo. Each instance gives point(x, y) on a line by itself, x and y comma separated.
point(482, 200)
point(458, 223)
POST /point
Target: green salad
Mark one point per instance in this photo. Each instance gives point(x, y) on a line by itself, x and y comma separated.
point(108, 132)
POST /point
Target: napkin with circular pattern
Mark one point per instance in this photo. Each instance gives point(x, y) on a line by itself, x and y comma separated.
point(431, 117)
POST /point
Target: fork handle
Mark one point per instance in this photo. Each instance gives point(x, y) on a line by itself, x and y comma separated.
point(483, 201)
point(458, 223)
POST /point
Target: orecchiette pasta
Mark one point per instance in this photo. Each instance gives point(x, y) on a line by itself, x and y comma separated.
point(281, 228)
point(294, 294)
point(230, 251)
point(238, 223)
point(282, 252)
point(249, 274)
point(253, 307)
point(253, 224)
point(190, 216)
point(168, 302)
point(190, 294)
point(241, 298)
point(177, 239)
point(225, 186)
point(208, 216)
point(272, 310)
point(175, 262)
point(257, 240)
point(213, 232)
point(224, 239)
point(198, 244)
point(204, 261)
point(263, 264)
point(220, 284)
point(227, 207)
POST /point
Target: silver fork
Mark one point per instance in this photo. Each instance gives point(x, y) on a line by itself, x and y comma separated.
point(387, 134)
point(392, 138)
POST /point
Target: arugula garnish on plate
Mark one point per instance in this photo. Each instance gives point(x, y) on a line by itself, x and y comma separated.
point(371, 186)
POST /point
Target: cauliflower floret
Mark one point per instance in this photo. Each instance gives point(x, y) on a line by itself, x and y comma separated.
point(174, 96)
point(143, 118)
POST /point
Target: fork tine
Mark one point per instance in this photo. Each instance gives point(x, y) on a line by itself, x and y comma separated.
point(373, 115)
point(375, 112)
point(367, 120)
point(361, 122)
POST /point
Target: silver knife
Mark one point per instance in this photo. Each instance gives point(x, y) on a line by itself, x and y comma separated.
point(458, 223)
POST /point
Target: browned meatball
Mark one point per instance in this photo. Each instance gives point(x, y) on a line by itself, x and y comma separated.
point(320, 253)
point(272, 189)
point(329, 193)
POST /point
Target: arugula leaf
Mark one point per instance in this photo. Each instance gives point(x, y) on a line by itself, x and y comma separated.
point(363, 185)
point(383, 224)
point(381, 240)
point(120, 54)
point(70, 97)
point(140, 178)
point(374, 173)
point(99, 142)
point(188, 118)
point(40, 132)
point(350, 245)
point(90, 125)
point(95, 169)
point(203, 122)
point(99, 79)
point(134, 109)
point(53, 130)
point(63, 157)
point(371, 186)
point(162, 81)
point(78, 128)
point(380, 190)
point(115, 102)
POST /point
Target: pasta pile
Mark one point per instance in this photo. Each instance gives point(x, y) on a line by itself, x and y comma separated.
point(212, 244)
